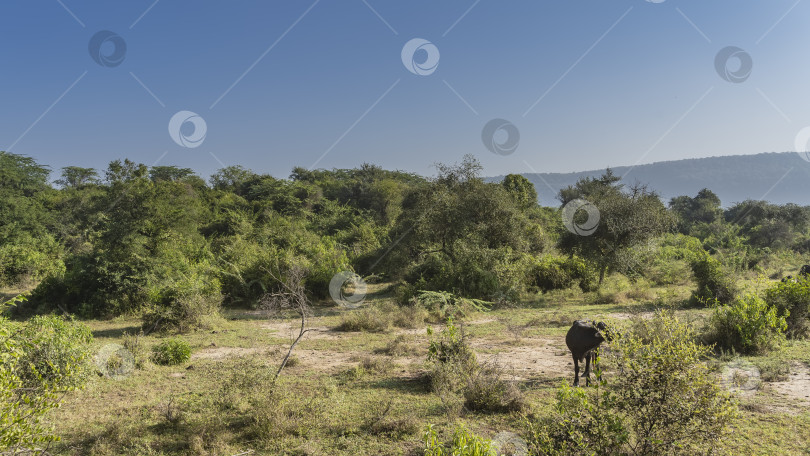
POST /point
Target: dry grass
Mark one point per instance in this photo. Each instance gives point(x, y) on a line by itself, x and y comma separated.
point(374, 401)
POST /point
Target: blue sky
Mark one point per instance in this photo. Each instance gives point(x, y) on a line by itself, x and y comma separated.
point(587, 83)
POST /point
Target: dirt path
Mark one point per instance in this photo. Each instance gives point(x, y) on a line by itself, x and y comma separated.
point(797, 387)
point(533, 358)
point(528, 358)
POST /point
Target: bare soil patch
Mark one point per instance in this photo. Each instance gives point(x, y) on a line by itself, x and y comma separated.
point(220, 353)
point(534, 357)
point(290, 329)
point(797, 386)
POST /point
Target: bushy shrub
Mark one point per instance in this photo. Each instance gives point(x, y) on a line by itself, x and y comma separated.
point(409, 317)
point(667, 263)
point(454, 373)
point(38, 359)
point(190, 302)
point(792, 301)
point(265, 410)
point(713, 284)
point(29, 257)
point(253, 262)
point(474, 272)
point(470, 273)
point(487, 391)
point(582, 423)
point(464, 443)
point(172, 280)
point(451, 361)
point(171, 352)
point(557, 273)
point(367, 319)
point(747, 325)
point(405, 293)
point(662, 400)
point(56, 353)
point(443, 305)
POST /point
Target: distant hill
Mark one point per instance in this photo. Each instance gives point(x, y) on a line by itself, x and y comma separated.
point(776, 177)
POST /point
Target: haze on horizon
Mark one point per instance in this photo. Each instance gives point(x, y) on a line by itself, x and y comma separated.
point(587, 84)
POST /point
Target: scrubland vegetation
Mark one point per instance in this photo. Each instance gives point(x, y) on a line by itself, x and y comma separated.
point(152, 312)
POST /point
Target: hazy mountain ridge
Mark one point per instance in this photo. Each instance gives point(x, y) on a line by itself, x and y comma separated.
point(778, 177)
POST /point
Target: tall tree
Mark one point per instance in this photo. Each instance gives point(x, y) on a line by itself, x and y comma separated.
point(521, 189)
point(76, 176)
point(626, 219)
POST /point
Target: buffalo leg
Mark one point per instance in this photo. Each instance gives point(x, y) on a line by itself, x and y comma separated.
point(576, 371)
point(587, 373)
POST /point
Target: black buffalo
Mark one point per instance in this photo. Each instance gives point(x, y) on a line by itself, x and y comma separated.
point(583, 339)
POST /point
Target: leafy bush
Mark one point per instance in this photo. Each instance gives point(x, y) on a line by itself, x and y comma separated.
point(667, 261)
point(409, 317)
point(171, 352)
point(252, 262)
point(30, 257)
point(470, 273)
point(451, 362)
point(261, 409)
point(443, 305)
point(487, 391)
point(38, 360)
point(134, 344)
point(556, 273)
point(367, 319)
point(792, 301)
point(454, 370)
point(56, 353)
point(663, 401)
point(712, 282)
point(748, 325)
point(464, 443)
point(191, 302)
point(582, 423)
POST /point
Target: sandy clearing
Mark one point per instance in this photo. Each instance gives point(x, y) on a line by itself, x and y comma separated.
point(797, 386)
point(534, 357)
point(219, 353)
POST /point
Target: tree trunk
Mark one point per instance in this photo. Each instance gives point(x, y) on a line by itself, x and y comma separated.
point(602, 270)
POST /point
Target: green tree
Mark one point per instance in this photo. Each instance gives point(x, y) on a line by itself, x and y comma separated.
point(460, 234)
point(27, 248)
point(145, 248)
point(521, 189)
point(170, 173)
point(703, 208)
point(76, 176)
point(626, 219)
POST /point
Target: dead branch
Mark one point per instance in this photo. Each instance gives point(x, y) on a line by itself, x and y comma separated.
point(292, 296)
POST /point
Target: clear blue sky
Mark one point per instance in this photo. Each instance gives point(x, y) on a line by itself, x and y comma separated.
point(621, 81)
